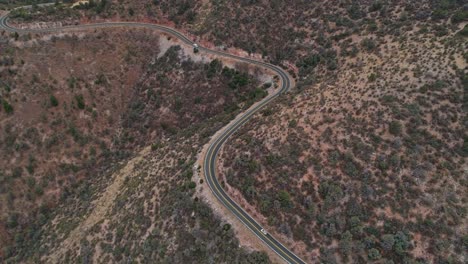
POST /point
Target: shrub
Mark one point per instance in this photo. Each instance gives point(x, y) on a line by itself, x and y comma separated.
point(464, 31)
point(31, 182)
point(465, 240)
point(395, 128)
point(465, 146)
point(292, 123)
point(439, 14)
point(257, 94)
point(80, 101)
point(100, 79)
point(387, 242)
point(284, 198)
point(38, 190)
point(460, 16)
point(239, 80)
point(12, 220)
point(368, 44)
point(374, 254)
point(346, 244)
point(53, 101)
point(351, 168)
point(71, 82)
point(257, 257)
point(7, 107)
point(156, 146)
point(214, 68)
point(310, 61)
point(401, 242)
point(376, 6)
point(101, 6)
point(354, 12)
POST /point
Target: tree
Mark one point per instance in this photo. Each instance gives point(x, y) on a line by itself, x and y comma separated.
point(12, 220)
point(368, 44)
point(460, 16)
point(374, 254)
point(257, 258)
point(80, 101)
point(346, 244)
point(395, 128)
point(387, 242)
point(53, 101)
point(7, 107)
point(401, 242)
point(372, 77)
point(465, 241)
point(284, 198)
point(101, 6)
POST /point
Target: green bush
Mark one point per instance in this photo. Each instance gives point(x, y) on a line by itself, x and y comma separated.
point(53, 101)
point(374, 254)
point(402, 242)
point(7, 107)
point(439, 14)
point(80, 101)
point(192, 185)
point(465, 146)
point(237, 79)
point(460, 16)
point(12, 220)
point(100, 79)
point(284, 198)
point(257, 94)
point(465, 241)
point(395, 128)
point(292, 123)
point(368, 44)
point(464, 31)
point(156, 146)
point(214, 68)
point(376, 6)
point(387, 242)
point(372, 77)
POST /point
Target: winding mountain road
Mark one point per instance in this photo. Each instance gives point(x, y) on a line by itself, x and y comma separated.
point(209, 162)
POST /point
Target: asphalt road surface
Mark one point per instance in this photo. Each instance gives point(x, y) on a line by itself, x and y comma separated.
point(209, 163)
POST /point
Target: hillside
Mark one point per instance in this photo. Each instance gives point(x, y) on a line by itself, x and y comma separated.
point(366, 161)
point(71, 122)
point(363, 162)
point(372, 160)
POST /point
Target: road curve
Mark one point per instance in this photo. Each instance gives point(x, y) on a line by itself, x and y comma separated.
point(209, 161)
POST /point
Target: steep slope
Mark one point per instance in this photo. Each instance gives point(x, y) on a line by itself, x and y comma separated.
point(162, 99)
point(357, 168)
point(366, 160)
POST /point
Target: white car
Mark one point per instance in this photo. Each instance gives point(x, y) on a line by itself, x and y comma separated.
point(195, 45)
point(264, 231)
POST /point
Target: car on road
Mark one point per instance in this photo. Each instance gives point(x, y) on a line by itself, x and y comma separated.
point(264, 231)
point(195, 48)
